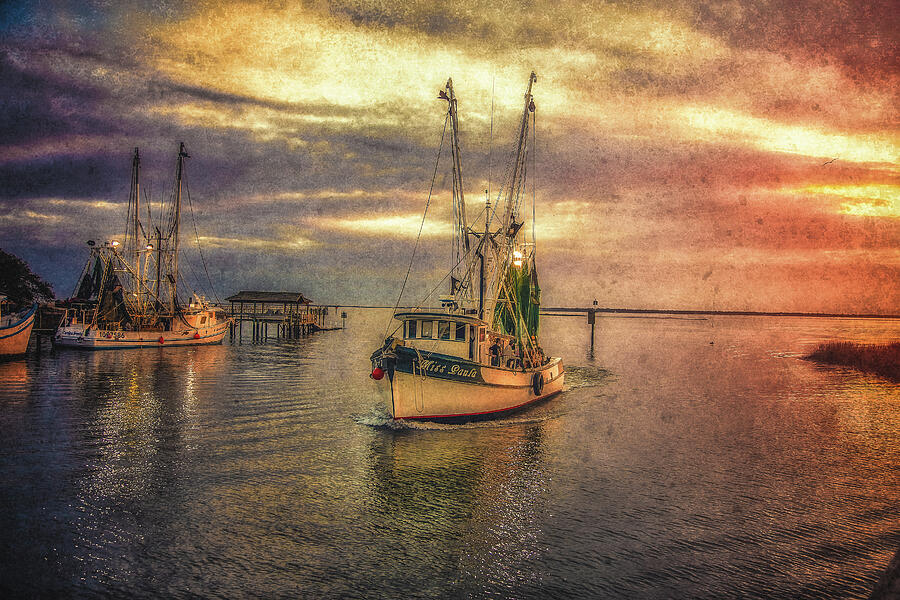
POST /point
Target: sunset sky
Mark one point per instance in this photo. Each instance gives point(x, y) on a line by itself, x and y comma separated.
point(689, 155)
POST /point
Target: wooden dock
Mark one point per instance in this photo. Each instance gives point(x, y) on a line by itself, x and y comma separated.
point(290, 314)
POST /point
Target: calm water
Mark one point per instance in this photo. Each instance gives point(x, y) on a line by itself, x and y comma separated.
point(688, 458)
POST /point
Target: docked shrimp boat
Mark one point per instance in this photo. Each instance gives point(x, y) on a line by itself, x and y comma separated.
point(15, 329)
point(478, 355)
point(127, 295)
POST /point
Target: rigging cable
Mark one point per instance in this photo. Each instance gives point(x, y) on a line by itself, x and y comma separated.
point(533, 177)
point(128, 220)
point(147, 196)
point(437, 286)
point(422, 224)
point(187, 190)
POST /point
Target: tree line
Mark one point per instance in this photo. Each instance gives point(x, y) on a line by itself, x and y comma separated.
point(19, 284)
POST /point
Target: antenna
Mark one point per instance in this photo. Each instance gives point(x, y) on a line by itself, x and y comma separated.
point(491, 143)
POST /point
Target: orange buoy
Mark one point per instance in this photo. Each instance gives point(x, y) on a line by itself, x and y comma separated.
point(197, 335)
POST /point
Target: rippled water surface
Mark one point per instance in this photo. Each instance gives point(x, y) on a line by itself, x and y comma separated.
point(692, 457)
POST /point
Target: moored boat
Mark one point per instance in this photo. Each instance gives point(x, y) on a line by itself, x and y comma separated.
point(15, 330)
point(197, 328)
point(479, 354)
point(128, 297)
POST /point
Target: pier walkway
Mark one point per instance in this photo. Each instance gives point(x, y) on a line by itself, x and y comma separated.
point(291, 314)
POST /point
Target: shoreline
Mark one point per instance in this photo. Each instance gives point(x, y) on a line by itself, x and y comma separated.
point(879, 359)
point(740, 313)
point(574, 311)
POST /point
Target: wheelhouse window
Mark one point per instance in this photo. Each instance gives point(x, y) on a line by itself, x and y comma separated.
point(460, 331)
point(410, 329)
point(443, 330)
point(426, 330)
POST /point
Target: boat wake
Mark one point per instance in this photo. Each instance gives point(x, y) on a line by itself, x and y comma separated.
point(576, 378)
point(382, 420)
point(583, 377)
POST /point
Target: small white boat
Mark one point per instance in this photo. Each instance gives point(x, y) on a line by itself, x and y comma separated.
point(15, 330)
point(199, 328)
point(128, 298)
point(479, 354)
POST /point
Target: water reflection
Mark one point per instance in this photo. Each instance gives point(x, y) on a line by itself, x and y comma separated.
point(13, 375)
point(670, 467)
point(718, 430)
point(136, 429)
point(473, 495)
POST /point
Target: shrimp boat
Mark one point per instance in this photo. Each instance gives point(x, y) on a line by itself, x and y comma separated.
point(127, 295)
point(15, 329)
point(478, 355)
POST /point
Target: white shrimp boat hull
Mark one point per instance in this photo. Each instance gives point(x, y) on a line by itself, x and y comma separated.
point(14, 336)
point(478, 356)
point(80, 336)
point(448, 388)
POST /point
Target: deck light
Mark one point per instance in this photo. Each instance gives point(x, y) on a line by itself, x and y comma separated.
point(115, 243)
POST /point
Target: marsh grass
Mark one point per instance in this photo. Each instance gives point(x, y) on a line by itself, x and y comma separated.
point(881, 359)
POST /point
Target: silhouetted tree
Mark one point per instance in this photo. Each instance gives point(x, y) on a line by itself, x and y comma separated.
point(19, 284)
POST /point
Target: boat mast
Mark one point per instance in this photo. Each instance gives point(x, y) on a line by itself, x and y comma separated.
point(484, 240)
point(173, 276)
point(457, 169)
point(461, 226)
point(518, 167)
point(158, 267)
point(504, 239)
point(135, 202)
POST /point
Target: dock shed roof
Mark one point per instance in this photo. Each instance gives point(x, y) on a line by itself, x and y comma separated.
point(270, 297)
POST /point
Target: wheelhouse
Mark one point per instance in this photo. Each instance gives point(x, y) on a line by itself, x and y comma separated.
point(445, 333)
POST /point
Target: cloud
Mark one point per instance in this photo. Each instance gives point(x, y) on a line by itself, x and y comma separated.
point(874, 200)
point(262, 243)
point(673, 139)
point(403, 226)
point(741, 129)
